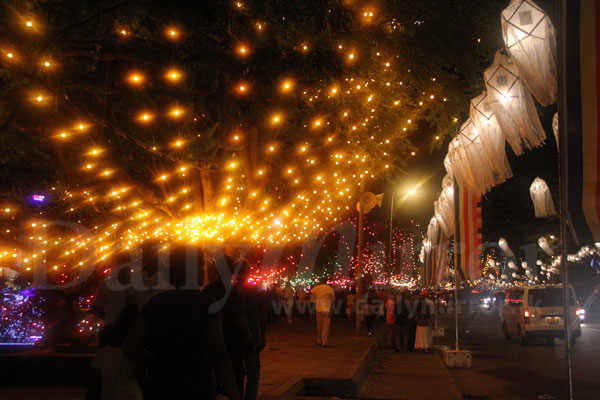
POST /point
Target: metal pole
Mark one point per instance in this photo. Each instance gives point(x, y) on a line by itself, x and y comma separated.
point(359, 289)
point(456, 304)
point(563, 183)
point(389, 266)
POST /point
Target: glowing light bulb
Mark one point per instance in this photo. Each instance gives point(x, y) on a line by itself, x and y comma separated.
point(46, 64)
point(9, 55)
point(176, 112)
point(7, 210)
point(351, 56)
point(123, 32)
point(81, 127)
point(29, 24)
point(236, 137)
point(39, 98)
point(136, 79)
point(63, 135)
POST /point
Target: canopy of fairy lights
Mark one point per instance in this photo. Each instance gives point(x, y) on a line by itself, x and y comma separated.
point(171, 134)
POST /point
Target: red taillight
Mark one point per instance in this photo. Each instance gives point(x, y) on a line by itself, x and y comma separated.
point(578, 312)
point(526, 315)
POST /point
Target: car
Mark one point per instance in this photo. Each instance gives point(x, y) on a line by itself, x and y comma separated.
point(537, 312)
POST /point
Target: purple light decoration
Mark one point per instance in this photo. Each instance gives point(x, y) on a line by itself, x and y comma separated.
point(39, 198)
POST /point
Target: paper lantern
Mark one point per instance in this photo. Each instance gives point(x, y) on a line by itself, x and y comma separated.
point(456, 164)
point(480, 170)
point(513, 105)
point(492, 139)
point(432, 230)
point(542, 199)
point(441, 216)
point(530, 41)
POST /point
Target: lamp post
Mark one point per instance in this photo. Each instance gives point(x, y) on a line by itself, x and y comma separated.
point(390, 245)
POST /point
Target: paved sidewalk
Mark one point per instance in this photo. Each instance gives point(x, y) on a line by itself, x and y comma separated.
point(292, 354)
point(410, 376)
point(294, 365)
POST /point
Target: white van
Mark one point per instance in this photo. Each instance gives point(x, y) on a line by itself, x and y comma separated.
point(537, 311)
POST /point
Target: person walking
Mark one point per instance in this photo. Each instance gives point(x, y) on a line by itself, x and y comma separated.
point(301, 301)
point(176, 338)
point(323, 295)
point(391, 329)
point(402, 322)
point(412, 321)
point(255, 310)
point(350, 298)
point(288, 298)
point(424, 322)
point(229, 302)
point(372, 310)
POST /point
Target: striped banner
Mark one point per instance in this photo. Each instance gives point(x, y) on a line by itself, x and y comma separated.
point(582, 94)
point(467, 233)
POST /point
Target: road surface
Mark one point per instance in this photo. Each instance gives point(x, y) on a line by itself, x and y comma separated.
point(508, 370)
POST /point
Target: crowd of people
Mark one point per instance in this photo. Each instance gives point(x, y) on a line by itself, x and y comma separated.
point(409, 317)
point(195, 327)
point(193, 338)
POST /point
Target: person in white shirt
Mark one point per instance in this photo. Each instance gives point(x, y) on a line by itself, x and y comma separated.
point(112, 373)
point(323, 296)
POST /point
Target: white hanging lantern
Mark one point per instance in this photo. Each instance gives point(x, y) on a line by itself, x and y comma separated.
point(492, 139)
point(530, 40)
point(442, 216)
point(456, 164)
point(513, 105)
point(477, 163)
point(542, 199)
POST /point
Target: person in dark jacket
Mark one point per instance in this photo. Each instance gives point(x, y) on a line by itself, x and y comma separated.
point(402, 321)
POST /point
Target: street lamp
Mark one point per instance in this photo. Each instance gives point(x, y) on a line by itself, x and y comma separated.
point(409, 193)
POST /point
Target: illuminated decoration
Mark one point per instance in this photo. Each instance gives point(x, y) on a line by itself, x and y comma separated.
point(492, 140)
point(513, 105)
point(542, 198)
point(479, 169)
point(530, 41)
point(21, 317)
point(38, 198)
point(337, 139)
